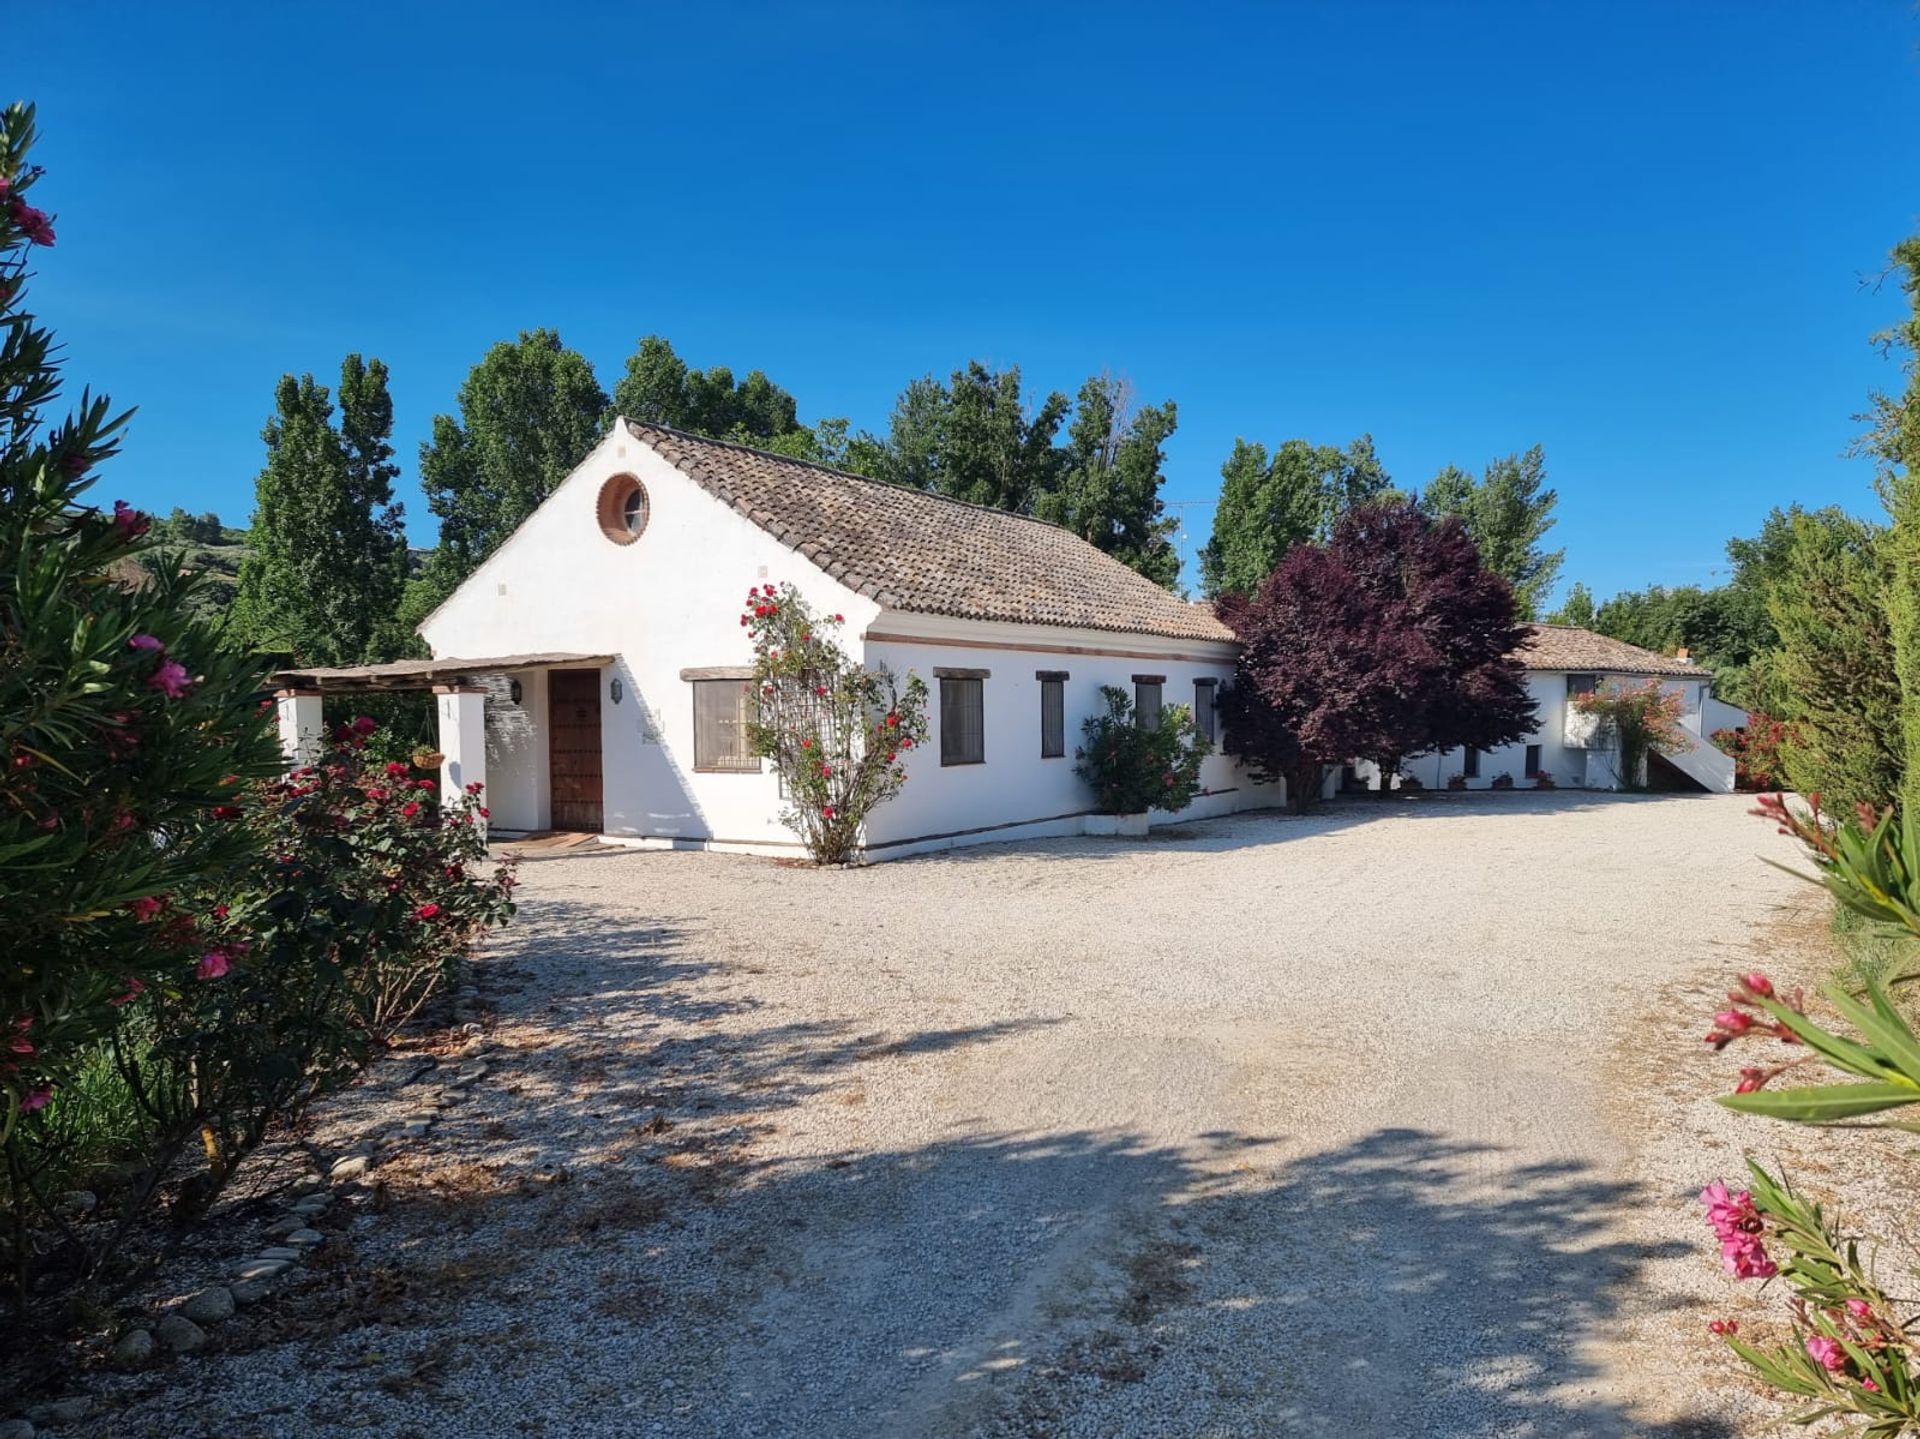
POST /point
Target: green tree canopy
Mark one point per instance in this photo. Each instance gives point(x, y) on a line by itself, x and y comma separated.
point(1107, 490)
point(1894, 442)
point(975, 438)
point(529, 413)
point(1269, 504)
point(1834, 665)
point(1577, 608)
point(328, 556)
point(1507, 512)
point(660, 388)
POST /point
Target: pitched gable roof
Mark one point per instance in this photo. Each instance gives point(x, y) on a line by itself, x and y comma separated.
point(910, 550)
point(1566, 647)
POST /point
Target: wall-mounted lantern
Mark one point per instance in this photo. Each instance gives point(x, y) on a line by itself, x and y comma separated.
point(514, 691)
point(616, 689)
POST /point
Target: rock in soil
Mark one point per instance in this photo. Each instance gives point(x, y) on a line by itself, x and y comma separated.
point(134, 1350)
point(209, 1306)
point(180, 1334)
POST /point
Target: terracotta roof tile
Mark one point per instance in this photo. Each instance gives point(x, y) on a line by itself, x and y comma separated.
point(1565, 647)
point(910, 550)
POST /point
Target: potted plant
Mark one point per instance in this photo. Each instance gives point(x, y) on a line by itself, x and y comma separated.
point(1543, 780)
point(1503, 780)
point(1456, 781)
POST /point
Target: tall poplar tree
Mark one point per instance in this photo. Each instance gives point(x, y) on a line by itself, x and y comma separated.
point(1107, 490)
point(529, 413)
point(1507, 513)
point(327, 553)
point(1269, 504)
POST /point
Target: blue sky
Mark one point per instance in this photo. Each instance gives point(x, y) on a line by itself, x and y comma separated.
point(1641, 235)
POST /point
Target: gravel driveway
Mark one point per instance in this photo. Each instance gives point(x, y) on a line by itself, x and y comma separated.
point(1262, 1126)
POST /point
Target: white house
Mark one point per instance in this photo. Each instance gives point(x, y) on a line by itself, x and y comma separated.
point(1569, 747)
point(590, 670)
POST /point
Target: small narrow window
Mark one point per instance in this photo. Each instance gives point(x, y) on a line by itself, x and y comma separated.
point(1533, 761)
point(1582, 685)
point(721, 712)
point(1470, 764)
point(1203, 721)
point(1146, 700)
point(1053, 715)
point(963, 721)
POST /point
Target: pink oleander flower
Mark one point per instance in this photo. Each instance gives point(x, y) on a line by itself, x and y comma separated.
point(1745, 1257)
point(410, 809)
point(365, 725)
point(475, 788)
point(1730, 1213)
point(134, 986)
point(428, 910)
point(1723, 1327)
point(19, 1043)
point(1829, 1354)
point(34, 222)
point(130, 522)
point(1757, 984)
point(171, 679)
point(36, 1099)
point(395, 768)
point(146, 908)
point(213, 964)
point(1861, 1311)
point(145, 642)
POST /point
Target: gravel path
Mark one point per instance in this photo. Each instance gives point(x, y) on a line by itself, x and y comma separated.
point(1378, 1122)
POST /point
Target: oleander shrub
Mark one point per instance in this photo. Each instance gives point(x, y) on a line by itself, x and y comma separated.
point(838, 733)
point(1851, 1350)
point(1132, 767)
point(196, 947)
point(1758, 751)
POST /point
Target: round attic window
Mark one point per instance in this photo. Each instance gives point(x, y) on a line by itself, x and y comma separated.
point(623, 509)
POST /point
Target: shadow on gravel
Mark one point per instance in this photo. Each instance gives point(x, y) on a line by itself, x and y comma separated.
point(601, 1241)
point(1252, 829)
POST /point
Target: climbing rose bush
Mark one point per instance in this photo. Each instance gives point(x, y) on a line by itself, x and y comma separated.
point(1643, 719)
point(838, 733)
point(1132, 768)
point(1850, 1347)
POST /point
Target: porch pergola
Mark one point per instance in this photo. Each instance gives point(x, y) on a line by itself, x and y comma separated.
point(461, 699)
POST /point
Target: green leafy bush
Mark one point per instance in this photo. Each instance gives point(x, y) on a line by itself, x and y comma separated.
point(1132, 767)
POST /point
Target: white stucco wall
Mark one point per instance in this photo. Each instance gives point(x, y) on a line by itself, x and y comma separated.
point(1016, 785)
point(669, 601)
point(1570, 766)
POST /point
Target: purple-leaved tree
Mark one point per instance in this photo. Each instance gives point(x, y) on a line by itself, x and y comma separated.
point(1389, 641)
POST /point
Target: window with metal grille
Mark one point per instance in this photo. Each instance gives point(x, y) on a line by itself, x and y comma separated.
point(1146, 702)
point(1470, 764)
point(1533, 761)
point(963, 721)
point(1203, 720)
point(1582, 685)
point(1053, 716)
point(721, 711)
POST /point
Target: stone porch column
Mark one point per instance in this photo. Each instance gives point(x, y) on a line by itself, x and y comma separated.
point(463, 738)
point(302, 730)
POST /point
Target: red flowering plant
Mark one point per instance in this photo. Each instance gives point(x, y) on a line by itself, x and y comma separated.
point(1641, 719)
point(1852, 1350)
point(838, 733)
point(1756, 750)
point(1133, 767)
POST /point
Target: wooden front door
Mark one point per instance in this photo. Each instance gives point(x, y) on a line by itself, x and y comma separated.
point(573, 748)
